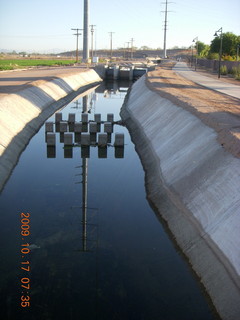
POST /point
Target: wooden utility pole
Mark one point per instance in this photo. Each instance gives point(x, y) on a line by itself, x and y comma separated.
point(77, 34)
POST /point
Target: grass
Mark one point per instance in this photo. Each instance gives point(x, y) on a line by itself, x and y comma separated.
point(10, 64)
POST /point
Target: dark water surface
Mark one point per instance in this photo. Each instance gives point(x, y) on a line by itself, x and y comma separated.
point(111, 260)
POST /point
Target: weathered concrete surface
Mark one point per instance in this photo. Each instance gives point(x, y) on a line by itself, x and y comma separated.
point(183, 160)
point(22, 112)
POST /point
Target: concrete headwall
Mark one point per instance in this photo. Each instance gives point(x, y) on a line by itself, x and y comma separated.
point(194, 183)
point(23, 113)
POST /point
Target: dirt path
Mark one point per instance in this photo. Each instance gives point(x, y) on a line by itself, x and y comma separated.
point(219, 111)
point(16, 80)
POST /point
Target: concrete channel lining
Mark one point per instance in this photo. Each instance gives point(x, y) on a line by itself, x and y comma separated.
point(183, 160)
point(22, 113)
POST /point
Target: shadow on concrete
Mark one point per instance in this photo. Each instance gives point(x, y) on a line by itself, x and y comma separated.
point(175, 86)
point(38, 97)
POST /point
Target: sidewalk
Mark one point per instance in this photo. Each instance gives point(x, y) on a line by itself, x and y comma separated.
point(215, 84)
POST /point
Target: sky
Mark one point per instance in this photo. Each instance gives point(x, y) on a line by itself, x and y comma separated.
point(45, 26)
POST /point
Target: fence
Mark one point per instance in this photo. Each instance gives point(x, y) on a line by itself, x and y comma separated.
point(213, 64)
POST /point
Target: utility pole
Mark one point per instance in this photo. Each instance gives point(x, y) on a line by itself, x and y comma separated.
point(85, 31)
point(111, 45)
point(196, 40)
point(220, 50)
point(238, 46)
point(132, 48)
point(77, 34)
point(128, 42)
point(165, 32)
point(92, 31)
point(165, 29)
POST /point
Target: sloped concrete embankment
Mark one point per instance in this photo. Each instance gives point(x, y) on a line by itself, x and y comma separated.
point(194, 184)
point(24, 112)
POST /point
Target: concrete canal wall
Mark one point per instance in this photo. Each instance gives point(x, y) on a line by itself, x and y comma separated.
point(22, 113)
point(194, 184)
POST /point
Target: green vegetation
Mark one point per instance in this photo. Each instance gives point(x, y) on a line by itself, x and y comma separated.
point(223, 70)
point(230, 42)
point(236, 72)
point(230, 49)
point(10, 64)
point(203, 49)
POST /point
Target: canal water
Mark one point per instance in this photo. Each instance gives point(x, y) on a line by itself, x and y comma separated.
point(79, 239)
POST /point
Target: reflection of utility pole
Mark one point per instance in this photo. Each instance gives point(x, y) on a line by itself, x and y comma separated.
point(85, 104)
point(84, 186)
point(92, 31)
point(111, 44)
point(84, 203)
point(77, 34)
point(77, 105)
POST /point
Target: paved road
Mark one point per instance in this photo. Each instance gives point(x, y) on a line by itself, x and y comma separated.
point(215, 84)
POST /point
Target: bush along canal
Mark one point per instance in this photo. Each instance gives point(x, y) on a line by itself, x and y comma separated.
point(80, 239)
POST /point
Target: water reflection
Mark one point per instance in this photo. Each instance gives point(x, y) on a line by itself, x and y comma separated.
point(80, 130)
point(101, 252)
point(84, 133)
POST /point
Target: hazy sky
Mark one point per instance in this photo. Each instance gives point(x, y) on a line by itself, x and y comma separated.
point(45, 26)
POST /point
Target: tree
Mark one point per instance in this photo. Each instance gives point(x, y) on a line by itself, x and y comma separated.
point(145, 48)
point(229, 44)
point(202, 48)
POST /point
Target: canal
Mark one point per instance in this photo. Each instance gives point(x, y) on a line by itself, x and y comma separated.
point(80, 240)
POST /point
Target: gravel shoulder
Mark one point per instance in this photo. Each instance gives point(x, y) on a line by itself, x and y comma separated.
point(218, 111)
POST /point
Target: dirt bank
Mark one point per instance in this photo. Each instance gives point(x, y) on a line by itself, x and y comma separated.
point(218, 111)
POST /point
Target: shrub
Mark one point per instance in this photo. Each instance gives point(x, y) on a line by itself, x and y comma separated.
point(213, 56)
point(223, 70)
point(236, 72)
point(228, 58)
